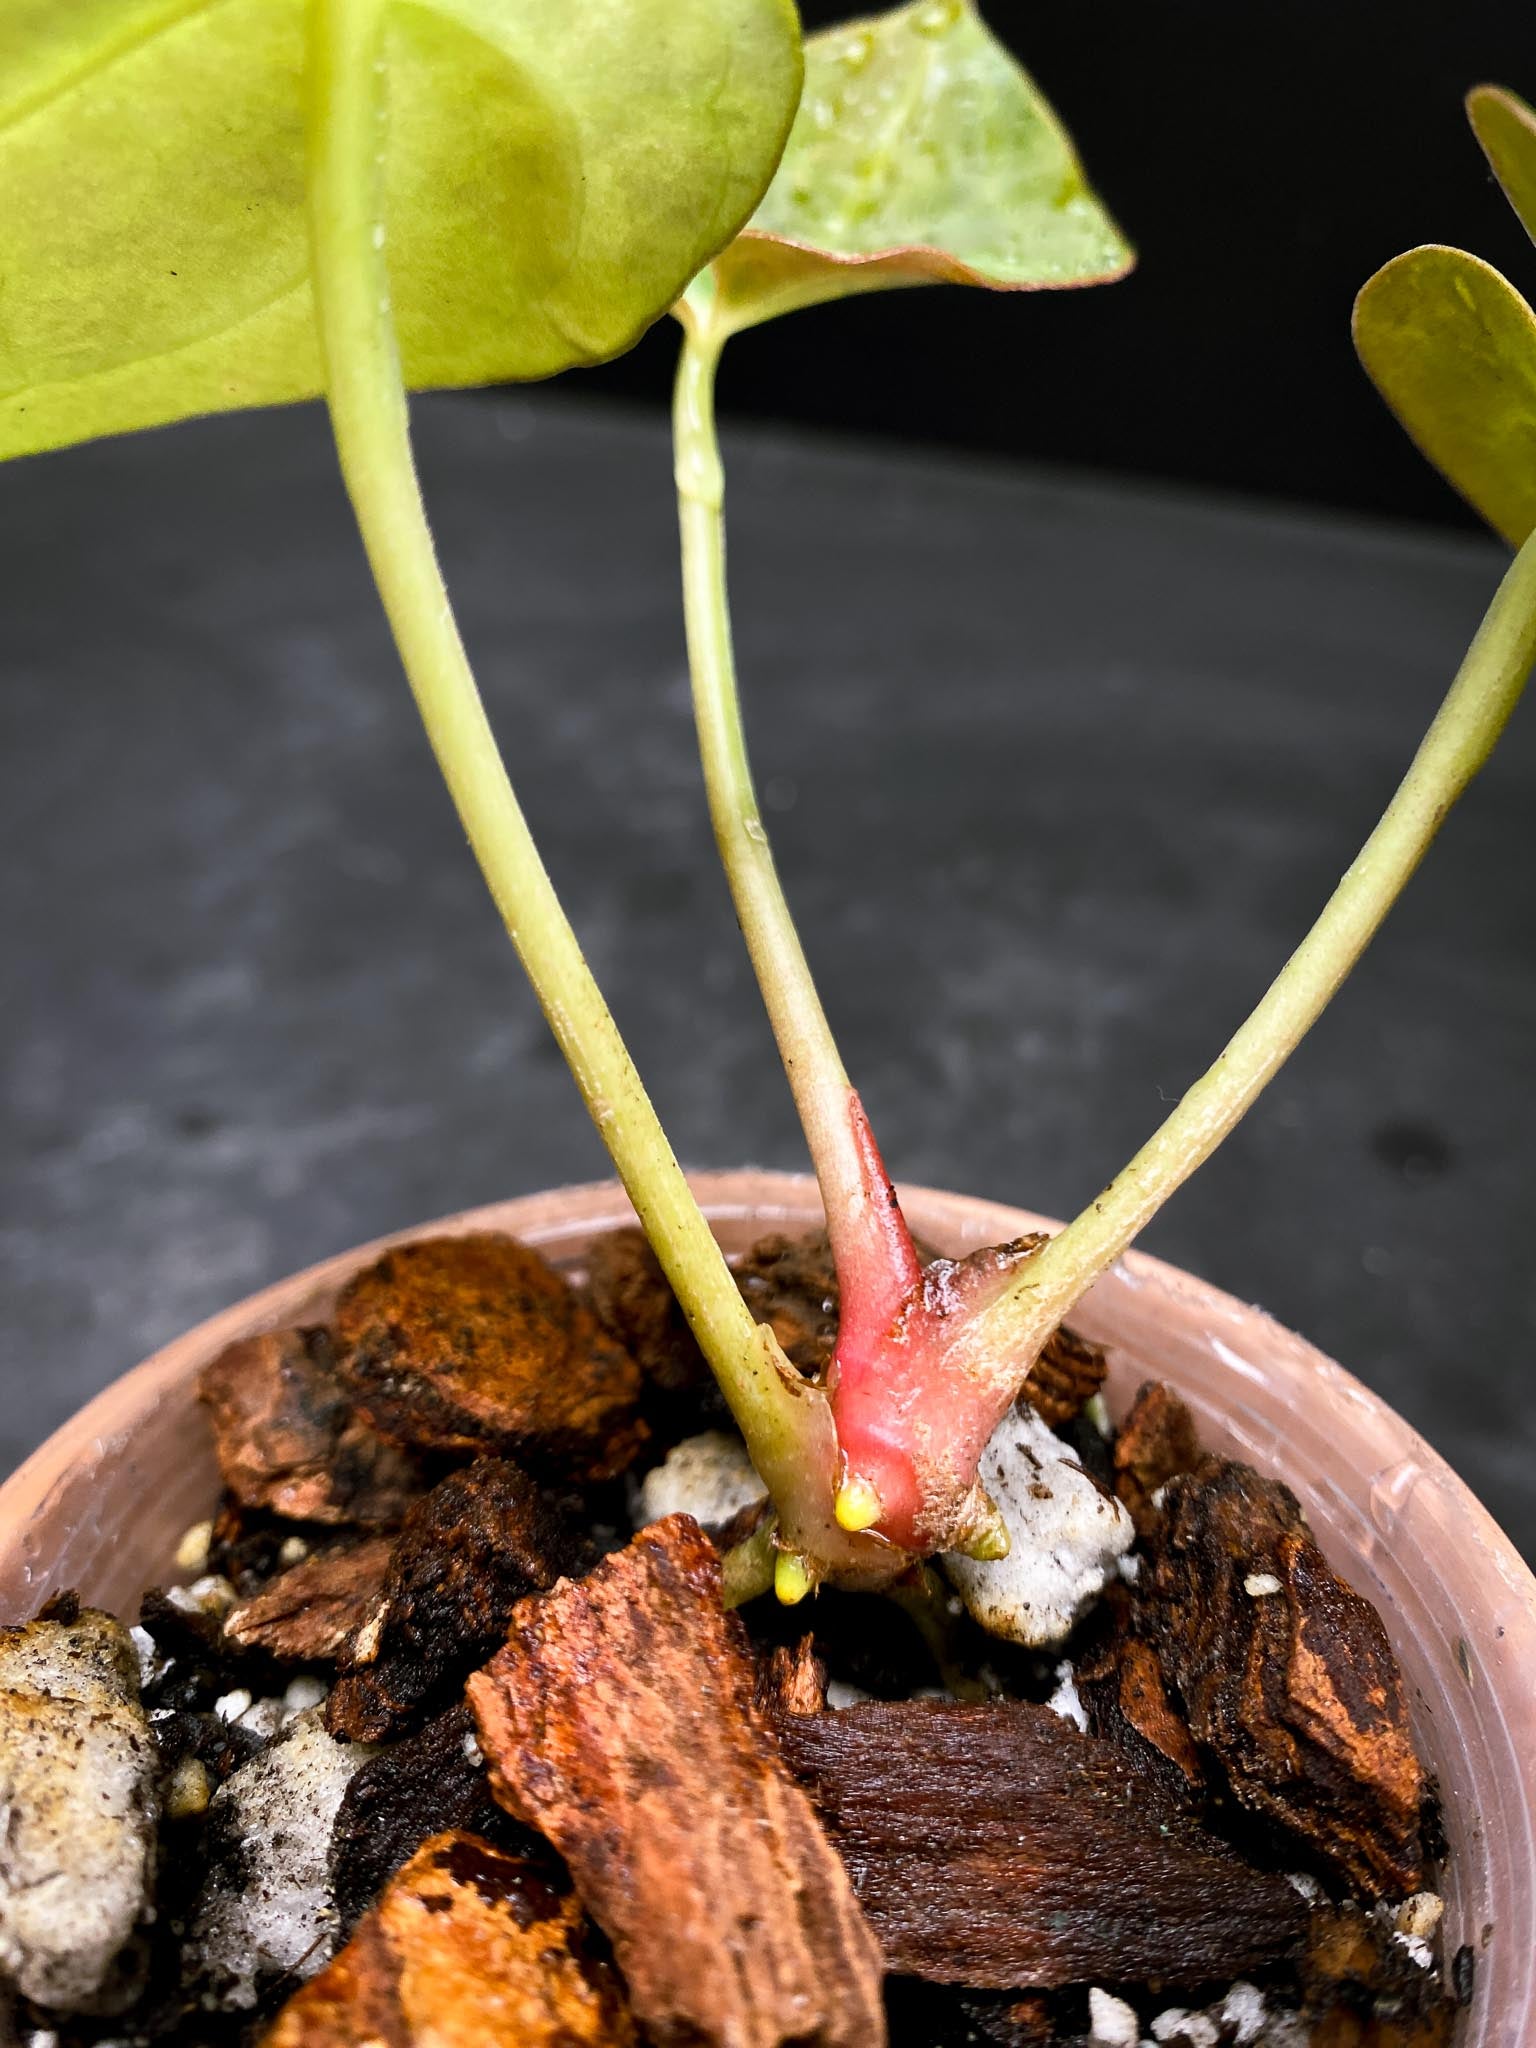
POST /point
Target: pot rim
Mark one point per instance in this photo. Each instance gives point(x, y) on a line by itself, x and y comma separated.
point(722, 1193)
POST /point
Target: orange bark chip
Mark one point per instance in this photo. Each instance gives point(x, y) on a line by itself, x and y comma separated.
point(476, 1343)
point(619, 1721)
point(467, 1946)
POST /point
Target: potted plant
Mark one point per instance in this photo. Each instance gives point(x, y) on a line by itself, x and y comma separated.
point(596, 179)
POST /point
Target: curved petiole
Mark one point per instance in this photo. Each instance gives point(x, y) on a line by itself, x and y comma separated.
point(1487, 687)
point(787, 1431)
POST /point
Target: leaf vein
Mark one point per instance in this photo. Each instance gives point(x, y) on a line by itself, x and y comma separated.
point(171, 16)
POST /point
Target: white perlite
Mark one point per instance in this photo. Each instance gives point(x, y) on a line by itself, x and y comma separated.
point(266, 1909)
point(1066, 1537)
point(1418, 1916)
point(1066, 1700)
point(1413, 1924)
point(1193, 2029)
point(213, 1595)
point(1261, 1585)
point(1243, 2015)
point(192, 1551)
point(1245, 2009)
point(78, 1808)
point(1111, 2020)
point(709, 1477)
point(303, 1693)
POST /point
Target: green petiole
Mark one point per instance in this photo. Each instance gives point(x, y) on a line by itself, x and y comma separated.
point(1476, 710)
point(372, 429)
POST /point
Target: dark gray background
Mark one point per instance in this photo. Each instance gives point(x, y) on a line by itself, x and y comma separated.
point(1058, 773)
point(1264, 158)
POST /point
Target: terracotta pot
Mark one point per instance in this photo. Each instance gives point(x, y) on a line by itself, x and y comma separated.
point(101, 1506)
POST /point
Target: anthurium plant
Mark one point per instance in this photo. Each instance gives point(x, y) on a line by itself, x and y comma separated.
point(929, 1361)
point(254, 202)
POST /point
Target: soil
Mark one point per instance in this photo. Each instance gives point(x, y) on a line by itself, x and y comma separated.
point(448, 1740)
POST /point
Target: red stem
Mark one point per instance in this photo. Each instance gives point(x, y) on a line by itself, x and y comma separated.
point(877, 1262)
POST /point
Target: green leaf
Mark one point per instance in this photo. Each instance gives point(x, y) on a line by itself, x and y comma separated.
point(555, 172)
point(922, 153)
point(1451, 346)
point(1506, 128)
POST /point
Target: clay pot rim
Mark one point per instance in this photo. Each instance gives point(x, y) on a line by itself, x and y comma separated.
point(595, 1206)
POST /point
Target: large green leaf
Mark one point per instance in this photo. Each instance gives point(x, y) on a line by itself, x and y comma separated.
point(1506, 128)
point(556, 170)
point(922, 153)
point(1451, 346)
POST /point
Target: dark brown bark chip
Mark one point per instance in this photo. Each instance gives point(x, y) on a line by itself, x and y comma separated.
point(619, 1720)
point(790, 1283)
point(1363, 1990)
point(1155, 1443)
point(288, 1439)
point(476, 1343)
point(1120, 1683)
point(1285, 1674)
point(309, 1612)
point(197, 1662)
point(636, 1306)
point(468, 1946)
point(792, 1681)
point(423, 1786)
point(221, 1747)
point(469, 1551)
point(1065, 1377)
point(995, 1846)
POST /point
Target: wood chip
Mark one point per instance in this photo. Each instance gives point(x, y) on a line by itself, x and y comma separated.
point(636, 1306)
point(1155, 1443)
point(1362, 1989)
point(1120, 1682)
point(467, 1946)
point(1065, 1377)
point(306, 1615)
point(288, 1438)
point(619, 1721)
point(430, 1784)
point(1296, 1695)
point(476, 1343)
point(469, 1551)
point(995, 1846)
point(792, 1681)
point(790, 1283)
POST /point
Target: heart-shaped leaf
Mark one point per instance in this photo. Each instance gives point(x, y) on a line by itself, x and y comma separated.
point(922, 153)
point(1506, 128)
point(1451, 346)
point(555, 173)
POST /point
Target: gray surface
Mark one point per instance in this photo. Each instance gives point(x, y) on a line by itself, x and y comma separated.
point(1061, 771)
